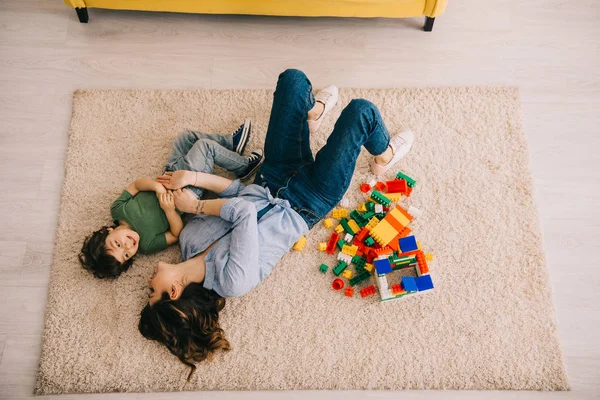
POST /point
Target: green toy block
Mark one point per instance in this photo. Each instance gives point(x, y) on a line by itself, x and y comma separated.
point(344, 223)
point(341, 243)
point(409, 181)
point(358, 217)
point(363, 276)
point(359, 262)
point(369, 241)
point(323, 268)
point(381, 216)
point(368, 215)
point(380, 198)
point(340, 267)
point(370, 206)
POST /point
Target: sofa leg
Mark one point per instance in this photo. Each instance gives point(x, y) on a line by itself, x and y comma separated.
point(428, 24)
point(82, 14)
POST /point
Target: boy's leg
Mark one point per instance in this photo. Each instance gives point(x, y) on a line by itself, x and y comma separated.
point(186, 139)
point(287, 145)
point(318, 187)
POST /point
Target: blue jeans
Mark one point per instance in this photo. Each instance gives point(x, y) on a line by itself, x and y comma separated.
point(200, 152)
point(314, 186)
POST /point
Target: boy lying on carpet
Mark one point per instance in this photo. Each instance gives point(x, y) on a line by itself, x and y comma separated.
point(145, 217)
point(234, 241)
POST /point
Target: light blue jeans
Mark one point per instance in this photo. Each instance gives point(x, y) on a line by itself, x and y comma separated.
point(200, 152)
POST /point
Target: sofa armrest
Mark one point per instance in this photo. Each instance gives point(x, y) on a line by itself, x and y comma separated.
point(434, 8)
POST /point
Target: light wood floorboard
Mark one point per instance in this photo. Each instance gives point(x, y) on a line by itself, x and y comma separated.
point(548, 48)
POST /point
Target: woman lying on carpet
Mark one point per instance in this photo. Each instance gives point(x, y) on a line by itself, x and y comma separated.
point(234, 241)
point(145, 216)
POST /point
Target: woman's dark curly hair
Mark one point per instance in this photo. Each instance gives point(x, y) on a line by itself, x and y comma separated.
point(93, 256)
point(188, 326)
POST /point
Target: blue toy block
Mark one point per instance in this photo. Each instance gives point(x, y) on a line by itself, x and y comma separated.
point(424, 282)
point(408, 243)
point(409, 284)
point(383, 266)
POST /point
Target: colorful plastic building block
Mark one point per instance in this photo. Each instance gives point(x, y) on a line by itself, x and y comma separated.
point(408, 244)
point(409, 284)
point(339, 229)
point(341, 243)
point(339, 268)
point(340, 213)
point(337, 284)
point(393, 223)
point(299, 245)
point(344, 257)
point(323, 268)
point(429, 257)
point(345, 203)
point(347, 274)
point(424, 283)
point(354, 226)
point(394, 196)
point(362, 234)
point(378, 208)
point(322, 246)
point(383, 266)
point(372, 223)
point(349, 292)
point(350, 250)
point(359, 262)
point(396, 186)
point(397, 290)
point(365, 187)
point(410, 181)
point(348, 238)
point(369, 241)
point(380, 186)
point(380, 198)
point(369, 267)
point(362, 207)
point(328, 223)
point(332, 242)
point(367, 291)
point(422, 268)
point(360, 277)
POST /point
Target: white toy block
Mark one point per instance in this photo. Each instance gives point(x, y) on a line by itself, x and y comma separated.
point(415, 212)
point(348, 238)
point(344, 257)
point(345, 203)
point(383, 283)
point(378, 208)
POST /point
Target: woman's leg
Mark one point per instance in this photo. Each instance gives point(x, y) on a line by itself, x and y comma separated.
point(287, 145)
point(200, 152)
point(318, 187)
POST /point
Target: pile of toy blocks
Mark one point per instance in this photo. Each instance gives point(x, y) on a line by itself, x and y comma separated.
point(375, 239)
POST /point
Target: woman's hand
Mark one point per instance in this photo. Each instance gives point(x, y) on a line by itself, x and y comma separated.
point(185, 201)
point(177, 180)
point(166, 201)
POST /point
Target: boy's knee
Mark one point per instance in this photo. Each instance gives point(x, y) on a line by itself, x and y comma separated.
point(360, 106)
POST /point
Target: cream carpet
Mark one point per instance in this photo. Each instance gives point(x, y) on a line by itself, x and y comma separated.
point(488, 324)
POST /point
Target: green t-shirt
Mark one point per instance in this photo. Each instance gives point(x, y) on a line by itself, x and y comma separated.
point(143, 213)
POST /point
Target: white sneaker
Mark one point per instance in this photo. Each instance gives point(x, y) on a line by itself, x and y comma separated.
point(401, 145)
point(328, 96)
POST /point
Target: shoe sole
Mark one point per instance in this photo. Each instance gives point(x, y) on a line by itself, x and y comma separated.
point(245, 135)
point(253, 170)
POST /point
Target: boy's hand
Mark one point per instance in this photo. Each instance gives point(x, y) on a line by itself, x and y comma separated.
point(166, 201)
point(177, 180)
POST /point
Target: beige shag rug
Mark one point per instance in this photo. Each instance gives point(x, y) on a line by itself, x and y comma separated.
point(488, 324)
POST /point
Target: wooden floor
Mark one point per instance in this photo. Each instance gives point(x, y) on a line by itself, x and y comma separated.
point(549, 48)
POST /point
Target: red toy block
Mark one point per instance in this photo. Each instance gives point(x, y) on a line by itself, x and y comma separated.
point(359, 253)
point(367, 291)
point(397, 289)
point(362, 234)
point(386, 251)
point(349, 292)
point(380, 186)
point(365, 187)
point(397, 186)
point(332, 242)
point(337, 284)
point(394, 244)
point(423, 267)
point(386, 209)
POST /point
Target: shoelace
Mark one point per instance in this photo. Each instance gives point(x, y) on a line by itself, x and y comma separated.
point(253, 157)
point(238, 130)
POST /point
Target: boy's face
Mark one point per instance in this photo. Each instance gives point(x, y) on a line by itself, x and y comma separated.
point(122, 243)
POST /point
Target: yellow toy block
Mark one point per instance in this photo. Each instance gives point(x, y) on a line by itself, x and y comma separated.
point(369, 267)
point(339, 229)
point(350, 250)
point(322, 246)
point(354, 226)
point(429, 257)
point(299, 245)
point(419, 245)
point(372, 223)
point(398, 216)
point(394, 196)
point(340, 213)
point(347, 274)
point(383, 233)
point(328, 223)
point(362, 207)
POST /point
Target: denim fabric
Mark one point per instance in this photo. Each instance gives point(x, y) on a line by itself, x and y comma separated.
point(199, 152)
point(313, 186)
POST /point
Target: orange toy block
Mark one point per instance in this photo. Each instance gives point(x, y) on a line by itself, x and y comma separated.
point(349, 292)
point(384, 251)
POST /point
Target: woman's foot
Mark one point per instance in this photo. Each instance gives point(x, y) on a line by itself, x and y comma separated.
point(241, 136)
point(325, 99)
point(254, 161)
point(399, 146)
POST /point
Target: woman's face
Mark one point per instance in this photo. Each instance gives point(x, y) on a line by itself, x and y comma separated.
point(165, 278)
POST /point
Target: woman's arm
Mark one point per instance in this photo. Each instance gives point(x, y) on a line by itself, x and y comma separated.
point(187, 202)
point(179, 179)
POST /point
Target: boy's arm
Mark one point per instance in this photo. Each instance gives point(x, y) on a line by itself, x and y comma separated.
point(167, 203)
point(179, 179)
point(145, 185)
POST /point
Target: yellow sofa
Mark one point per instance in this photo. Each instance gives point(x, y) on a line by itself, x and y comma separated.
point(300, 8)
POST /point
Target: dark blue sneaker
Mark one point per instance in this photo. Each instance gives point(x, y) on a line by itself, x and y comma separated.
point(241, 135)
point(255, 159)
